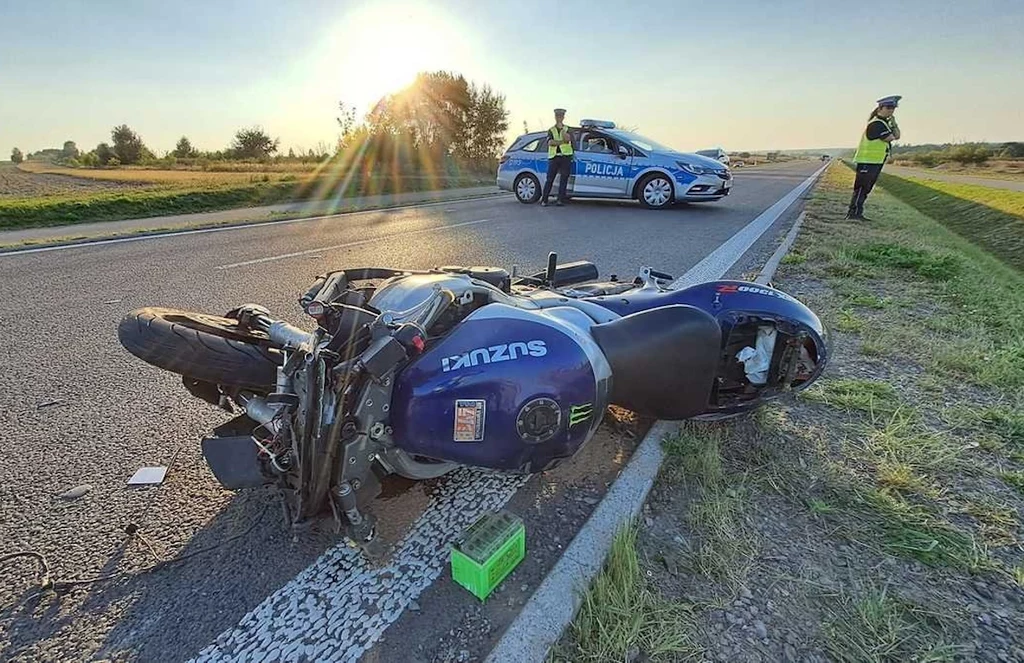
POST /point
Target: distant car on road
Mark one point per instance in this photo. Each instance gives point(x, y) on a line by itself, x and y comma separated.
point(717, 154)
point(612, 163)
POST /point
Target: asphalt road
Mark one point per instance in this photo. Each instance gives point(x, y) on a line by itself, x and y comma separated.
point(77, 409)
point(995, 183)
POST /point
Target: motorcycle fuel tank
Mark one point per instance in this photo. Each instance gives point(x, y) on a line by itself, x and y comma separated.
point(507, 388)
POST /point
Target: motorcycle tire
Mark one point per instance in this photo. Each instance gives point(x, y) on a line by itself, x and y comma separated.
point(204, 347)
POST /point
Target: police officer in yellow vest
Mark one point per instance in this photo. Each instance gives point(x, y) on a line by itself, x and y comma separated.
point(872, 153)
point(559, 158)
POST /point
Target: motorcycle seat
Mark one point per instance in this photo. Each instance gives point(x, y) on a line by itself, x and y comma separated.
point(663, 360)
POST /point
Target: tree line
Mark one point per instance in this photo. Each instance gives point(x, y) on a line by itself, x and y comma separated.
point(439, 123)
point(965, 153)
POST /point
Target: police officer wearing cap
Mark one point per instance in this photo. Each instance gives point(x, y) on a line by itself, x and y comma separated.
point(559, 158)
point(872, 153)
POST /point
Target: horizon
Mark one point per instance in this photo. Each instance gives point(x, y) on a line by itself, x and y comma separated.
point(692, 87)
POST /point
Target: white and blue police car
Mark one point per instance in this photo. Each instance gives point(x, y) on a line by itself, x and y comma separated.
point(612, 163)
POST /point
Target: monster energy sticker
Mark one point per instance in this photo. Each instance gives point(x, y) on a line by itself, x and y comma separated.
point(469, 420)
point(580, 413)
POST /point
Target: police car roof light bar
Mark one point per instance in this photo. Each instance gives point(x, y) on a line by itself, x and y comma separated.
point(601, 124)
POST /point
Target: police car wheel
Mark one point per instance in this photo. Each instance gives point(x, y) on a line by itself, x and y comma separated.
point(527, 188)
point(656, 192)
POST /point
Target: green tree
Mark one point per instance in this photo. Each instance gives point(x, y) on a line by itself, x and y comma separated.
point(486, 124)
point(103, 154)
point(128, 146)
point(70, 150)
point(1012, 151)
point(253, 143)
point(346, 122)
point(17, 156)
point(980, 155)
point(184, 149)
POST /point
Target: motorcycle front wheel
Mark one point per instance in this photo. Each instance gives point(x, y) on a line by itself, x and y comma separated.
point(205, 347)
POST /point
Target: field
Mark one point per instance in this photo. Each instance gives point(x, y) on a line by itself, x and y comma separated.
point(42, 194)
point(180, 177)
point(997, 169)
point(876, 517)
point(17, 183)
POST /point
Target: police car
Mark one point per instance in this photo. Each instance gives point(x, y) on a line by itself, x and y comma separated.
point(612, 163)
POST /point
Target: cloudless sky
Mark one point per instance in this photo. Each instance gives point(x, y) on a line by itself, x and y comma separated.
point(740, 74)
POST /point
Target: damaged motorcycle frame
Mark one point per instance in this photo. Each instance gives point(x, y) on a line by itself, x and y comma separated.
point(324, 429)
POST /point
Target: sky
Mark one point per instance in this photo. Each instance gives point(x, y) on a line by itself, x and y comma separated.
point(742, 74)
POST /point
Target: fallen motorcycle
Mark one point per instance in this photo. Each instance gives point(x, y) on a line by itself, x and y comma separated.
point(416, 373)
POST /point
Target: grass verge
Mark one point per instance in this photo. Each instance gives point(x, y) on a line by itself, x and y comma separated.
point(131, 204)
point(992, 218)
point(623, 618)
point(879, 627)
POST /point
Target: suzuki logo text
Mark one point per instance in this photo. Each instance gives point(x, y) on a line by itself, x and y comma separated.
point(494, 355)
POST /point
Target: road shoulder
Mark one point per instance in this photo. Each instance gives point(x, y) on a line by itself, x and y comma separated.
point(87, 232)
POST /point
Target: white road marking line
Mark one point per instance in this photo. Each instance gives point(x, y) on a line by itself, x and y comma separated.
point(540, 623)
point(360, 242)
point(339, 606)
point(725, 256)
point(237, 226)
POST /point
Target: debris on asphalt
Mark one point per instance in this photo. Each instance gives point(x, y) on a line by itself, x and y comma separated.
point(148, 476)
point(46, 404)
point(113, 301)
point(414, 606)
point(76, 492)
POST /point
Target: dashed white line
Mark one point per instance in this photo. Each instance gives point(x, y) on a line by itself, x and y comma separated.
point(360, 242)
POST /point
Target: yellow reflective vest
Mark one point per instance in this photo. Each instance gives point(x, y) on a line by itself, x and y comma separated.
point(872, 151)
point(564, 149)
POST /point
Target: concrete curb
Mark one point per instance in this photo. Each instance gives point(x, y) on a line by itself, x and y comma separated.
point(773, 263)
point(552, 607)
point(58, 243)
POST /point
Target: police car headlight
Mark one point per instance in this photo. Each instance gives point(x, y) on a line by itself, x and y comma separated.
point(695, 170)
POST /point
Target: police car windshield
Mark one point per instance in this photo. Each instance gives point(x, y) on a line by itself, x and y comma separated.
point(642, 142)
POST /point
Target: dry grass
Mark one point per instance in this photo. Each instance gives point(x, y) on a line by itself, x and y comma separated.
point(163, 178)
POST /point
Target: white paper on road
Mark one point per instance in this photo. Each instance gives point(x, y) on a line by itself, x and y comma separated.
point(148, 476)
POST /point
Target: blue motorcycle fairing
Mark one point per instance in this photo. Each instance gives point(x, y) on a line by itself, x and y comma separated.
point(729, 302)
point(507, 388)
point(739, 307)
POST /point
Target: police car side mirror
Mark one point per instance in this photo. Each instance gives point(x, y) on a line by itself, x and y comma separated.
point(623, 152)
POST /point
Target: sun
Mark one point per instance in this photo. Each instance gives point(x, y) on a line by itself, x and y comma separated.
point(381, 47)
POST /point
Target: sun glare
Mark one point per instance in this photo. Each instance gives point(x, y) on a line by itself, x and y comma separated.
point(380, 48)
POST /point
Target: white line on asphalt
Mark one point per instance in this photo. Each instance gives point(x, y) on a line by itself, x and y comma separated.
point(359, 242)
point(236, 226)
point(542, 620)
point(725, 256)
point(339, 606)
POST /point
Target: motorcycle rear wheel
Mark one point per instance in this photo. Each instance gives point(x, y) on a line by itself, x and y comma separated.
point(205, 347)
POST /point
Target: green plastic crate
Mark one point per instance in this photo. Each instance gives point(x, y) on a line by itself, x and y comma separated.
point(488, 551)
